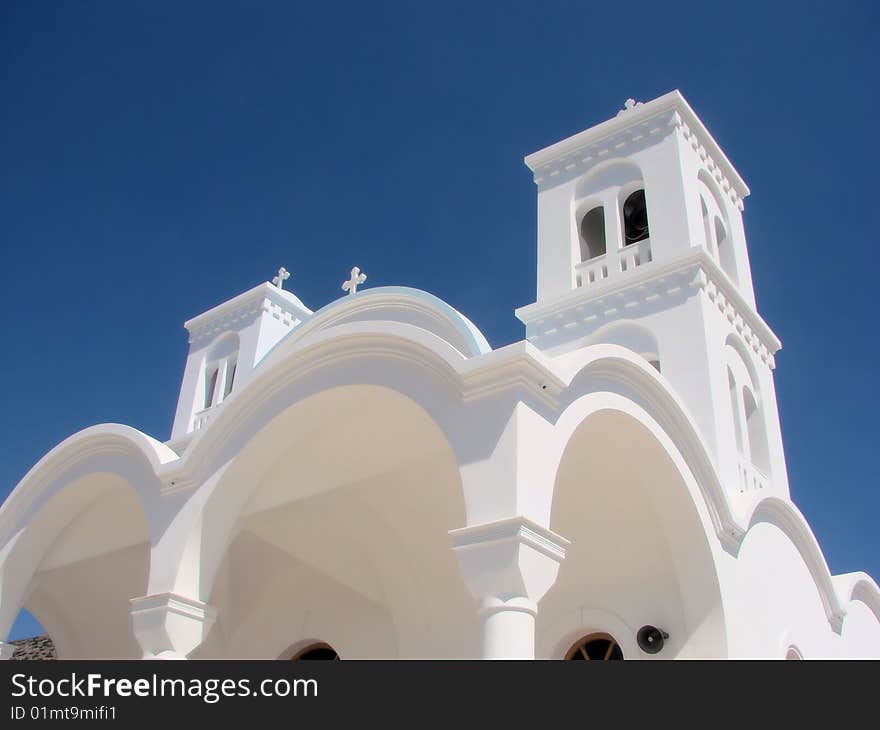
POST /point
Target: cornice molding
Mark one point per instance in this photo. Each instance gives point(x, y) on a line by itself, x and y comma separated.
point(517, 529)
point(697, 142)
point(240, 311)
point(517, 370)
point(631, 126)
point(695, 270)
point(173, 603)
point(577, 161)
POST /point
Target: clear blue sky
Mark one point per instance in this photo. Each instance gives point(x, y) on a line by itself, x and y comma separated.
point(160, 157)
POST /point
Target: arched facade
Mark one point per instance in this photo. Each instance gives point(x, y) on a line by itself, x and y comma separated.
point(373, 480)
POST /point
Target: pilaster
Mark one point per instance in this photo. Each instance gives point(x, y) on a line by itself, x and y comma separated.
point(170, 626)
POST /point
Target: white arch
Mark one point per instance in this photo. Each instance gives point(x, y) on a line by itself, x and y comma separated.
point(203, 520)
point(110, 447)
point(861, 587)
point(617, 172)
point(401, 357)
point(631, 335)
point(393, 304)
point(616, 370)
point(702, 581)
point(789, 520)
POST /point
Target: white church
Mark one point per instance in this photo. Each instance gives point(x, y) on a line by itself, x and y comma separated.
point(373, 480)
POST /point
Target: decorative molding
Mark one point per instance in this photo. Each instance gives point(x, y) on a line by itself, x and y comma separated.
point(179, 481)
point(580, 160)
point(595, 304)
point(520, 371)
point(517, 529)
point(696, 142)
point(508, 564)
point(734, 314)
point(173, 603)
point(636, 125)
point(170, 626)
point(467, 338)
point(240, 311)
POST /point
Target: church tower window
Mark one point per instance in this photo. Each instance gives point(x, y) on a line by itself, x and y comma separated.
point(635, 218)
point(211, 385)
point(734, 407)
point(230, 376)
point(707, 231)
point(592, 231)
point(725, 251)
point(757, 434)
point(595, 647)
point(221, 363)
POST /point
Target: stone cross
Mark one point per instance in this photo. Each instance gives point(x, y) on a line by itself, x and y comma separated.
point(283, 275)
point(357, 278)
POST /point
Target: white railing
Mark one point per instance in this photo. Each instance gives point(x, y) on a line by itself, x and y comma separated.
point(751, 478)
point(592, 270)
point(613, 264)
point(201, 418)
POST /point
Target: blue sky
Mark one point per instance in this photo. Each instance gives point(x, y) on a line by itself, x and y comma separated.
point(160, 157)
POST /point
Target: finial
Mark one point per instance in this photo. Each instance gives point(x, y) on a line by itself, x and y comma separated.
point(283, 275)
point(357, 278)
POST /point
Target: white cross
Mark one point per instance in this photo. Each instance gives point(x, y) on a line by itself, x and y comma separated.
point(351, 286)
point(283, 275)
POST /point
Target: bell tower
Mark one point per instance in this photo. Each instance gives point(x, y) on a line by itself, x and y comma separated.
point(226, 344)
point(641, 244)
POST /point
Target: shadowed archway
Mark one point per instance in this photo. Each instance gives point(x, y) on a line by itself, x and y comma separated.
point(640, 551)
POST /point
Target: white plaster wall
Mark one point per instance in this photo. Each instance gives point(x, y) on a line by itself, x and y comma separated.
point(771, 601)
point(860, 635)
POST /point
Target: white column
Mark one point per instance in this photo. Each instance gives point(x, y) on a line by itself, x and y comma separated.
point(170, 626)
point(6, 650)
point(508, 565)
point(220, 385)
point(613, 231)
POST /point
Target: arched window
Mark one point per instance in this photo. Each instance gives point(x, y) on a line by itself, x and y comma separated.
point(707, 231)
point(230, 376)
point(635, 218)
point(221, 361)
point(793, 653)
point(734, 406)
point(725, 251)
point(757, 433)
point(595, 647)
point(316, 652)
point(592, 230)
point(211, 385)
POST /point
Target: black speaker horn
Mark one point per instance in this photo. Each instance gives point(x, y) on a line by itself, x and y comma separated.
point(651, 639)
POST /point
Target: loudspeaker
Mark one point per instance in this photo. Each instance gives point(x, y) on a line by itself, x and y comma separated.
point(651, 639)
